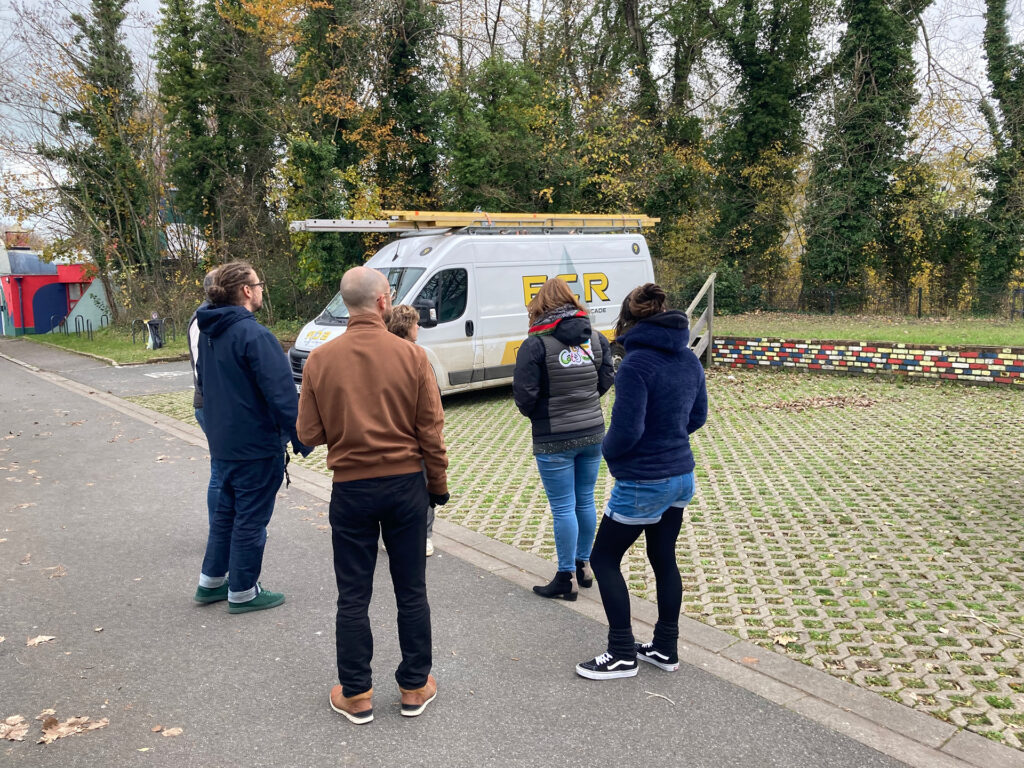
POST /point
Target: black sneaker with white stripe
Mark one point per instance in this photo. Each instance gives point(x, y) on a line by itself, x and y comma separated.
point(647, 652)
point(606, 667)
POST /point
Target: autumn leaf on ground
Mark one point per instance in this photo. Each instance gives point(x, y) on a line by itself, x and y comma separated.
point(26, 559)
point(173, 732)
point(34, 641)
point(26, 505)
point(2, 541)
point(13, 728)
point(785, 639)
point(45, 714)
point(162, 458)
point(749, 659)
point(53, 729)
point(2, 638)
point(57, 571)
point(156, 728)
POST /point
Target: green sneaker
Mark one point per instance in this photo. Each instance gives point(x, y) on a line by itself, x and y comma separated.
point(211, 594)
point(265, 599)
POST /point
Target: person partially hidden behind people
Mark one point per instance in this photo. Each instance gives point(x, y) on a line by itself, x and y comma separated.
point(404, 323)
point(373, 399)
point(249, 408)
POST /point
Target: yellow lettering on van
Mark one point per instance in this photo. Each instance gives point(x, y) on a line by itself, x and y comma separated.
point(572, 278)
point(531, 285)
point(595, 284)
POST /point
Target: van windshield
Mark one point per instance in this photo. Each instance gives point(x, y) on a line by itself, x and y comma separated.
point(401, 279)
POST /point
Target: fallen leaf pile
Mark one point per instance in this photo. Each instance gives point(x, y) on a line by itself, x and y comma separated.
point(13, 728)
point(822, 401)
point(53, 729)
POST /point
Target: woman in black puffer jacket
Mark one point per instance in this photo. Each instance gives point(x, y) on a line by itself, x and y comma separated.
point(562, 369)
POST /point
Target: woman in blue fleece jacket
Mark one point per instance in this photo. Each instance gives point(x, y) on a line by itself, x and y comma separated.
point(660, 399)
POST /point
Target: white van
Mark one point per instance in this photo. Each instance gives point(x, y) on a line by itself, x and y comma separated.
point(471, 288)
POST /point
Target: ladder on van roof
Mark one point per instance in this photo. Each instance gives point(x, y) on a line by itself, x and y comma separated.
point(412, 221)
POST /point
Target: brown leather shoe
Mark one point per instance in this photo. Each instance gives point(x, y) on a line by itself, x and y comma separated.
point(414, 701)
point(358, 708)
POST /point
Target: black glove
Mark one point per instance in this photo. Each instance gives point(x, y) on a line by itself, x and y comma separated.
point(301, 448)
point(439, 499)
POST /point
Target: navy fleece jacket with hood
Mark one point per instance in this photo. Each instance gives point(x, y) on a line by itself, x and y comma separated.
point(249, 398)
point(660, 399)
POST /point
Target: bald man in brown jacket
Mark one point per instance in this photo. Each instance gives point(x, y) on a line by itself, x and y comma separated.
point(371, 397)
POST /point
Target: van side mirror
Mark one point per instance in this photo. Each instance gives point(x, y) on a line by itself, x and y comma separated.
point(428, 312)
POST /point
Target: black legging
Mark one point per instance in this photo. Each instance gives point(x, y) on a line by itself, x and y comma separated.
point(613, 539)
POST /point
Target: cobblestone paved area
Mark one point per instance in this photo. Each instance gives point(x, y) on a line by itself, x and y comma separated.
point(871, 529)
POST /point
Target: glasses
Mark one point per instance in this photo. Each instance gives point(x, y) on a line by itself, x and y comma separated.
point(260, 284)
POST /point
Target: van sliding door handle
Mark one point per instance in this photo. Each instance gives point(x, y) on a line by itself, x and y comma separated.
point(469, 327)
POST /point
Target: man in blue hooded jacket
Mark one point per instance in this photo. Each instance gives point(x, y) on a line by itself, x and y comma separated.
point(250, 406)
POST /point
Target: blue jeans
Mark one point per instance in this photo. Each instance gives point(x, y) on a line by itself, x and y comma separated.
point(213, 489)
point(569, 479)
point(643, 502)
point(238, 532)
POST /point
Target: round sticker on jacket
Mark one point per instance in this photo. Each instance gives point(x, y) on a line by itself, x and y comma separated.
point(571, 356)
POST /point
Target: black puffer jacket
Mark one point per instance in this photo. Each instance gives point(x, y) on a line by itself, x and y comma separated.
point(562, 370)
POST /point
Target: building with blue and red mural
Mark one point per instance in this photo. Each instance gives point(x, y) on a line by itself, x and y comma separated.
point(35, 295)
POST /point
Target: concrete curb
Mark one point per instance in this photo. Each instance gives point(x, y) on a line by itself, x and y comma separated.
point(890, 728)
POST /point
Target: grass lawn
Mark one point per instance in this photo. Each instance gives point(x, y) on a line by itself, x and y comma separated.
point(115, 344)
point(959, 332)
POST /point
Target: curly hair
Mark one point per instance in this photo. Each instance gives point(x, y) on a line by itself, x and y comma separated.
point(228, 282)
point(403, 318)
point(644, 301)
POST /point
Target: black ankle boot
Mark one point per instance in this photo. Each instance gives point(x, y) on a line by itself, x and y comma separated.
point(561, 586)
point(584, 576)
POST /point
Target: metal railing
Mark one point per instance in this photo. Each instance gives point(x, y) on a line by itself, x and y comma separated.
point(701, 338)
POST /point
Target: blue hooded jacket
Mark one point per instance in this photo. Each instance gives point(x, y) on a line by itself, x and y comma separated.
point(660, 399)
point(249, 399)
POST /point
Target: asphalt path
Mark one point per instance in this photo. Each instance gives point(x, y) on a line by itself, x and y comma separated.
point(122, 381)
point(101, 539)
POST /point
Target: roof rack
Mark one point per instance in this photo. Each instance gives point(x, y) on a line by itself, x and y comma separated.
point(481, 221)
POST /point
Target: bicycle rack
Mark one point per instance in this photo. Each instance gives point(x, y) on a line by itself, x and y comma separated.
point(82, 325)
point(138, 325)
point(163, 328)
point(59, 327)
point(104, 320)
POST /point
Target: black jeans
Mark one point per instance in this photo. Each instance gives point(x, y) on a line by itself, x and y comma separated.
point(361, 511)
point(613, 539)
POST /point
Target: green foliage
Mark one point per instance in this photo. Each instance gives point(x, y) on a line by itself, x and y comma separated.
point(109, 185)
point(770, 46)
point(863, 146)
point(491, 128)
point(1004, 230)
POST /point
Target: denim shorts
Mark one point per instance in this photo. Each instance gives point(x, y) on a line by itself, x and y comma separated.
point(643, 502)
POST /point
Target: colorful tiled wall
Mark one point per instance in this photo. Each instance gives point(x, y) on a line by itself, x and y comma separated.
point(988, 365)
